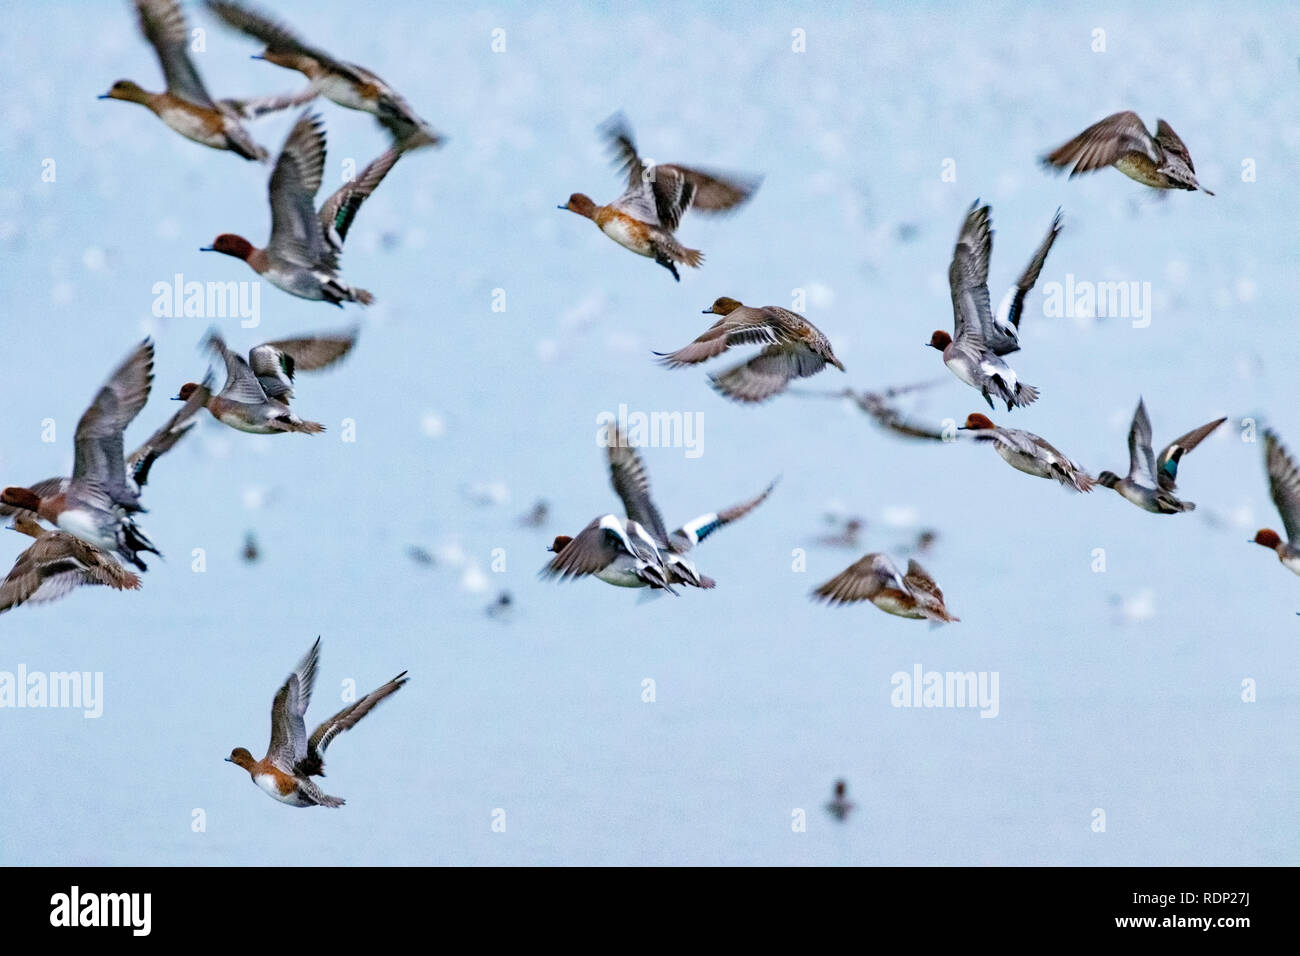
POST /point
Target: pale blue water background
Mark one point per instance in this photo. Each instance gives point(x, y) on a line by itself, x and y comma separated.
point(763, 699)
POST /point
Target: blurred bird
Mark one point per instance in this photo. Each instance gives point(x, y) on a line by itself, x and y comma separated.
point(350, 86)
point(56, 564)
point(875, 578)
point(847, 536)
point(97, 503)
point(795, 348)
point(882, 409)
point(1151, 481)
point(1284, 488)
point(537, 516)
point(1121, 140)
point(185, 106)
point(421, 556)
point(840, 806)
point(502, 607)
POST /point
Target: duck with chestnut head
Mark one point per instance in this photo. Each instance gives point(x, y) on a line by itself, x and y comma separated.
point(293, 758)
point(1027, 452)
point(256, 395)
point(645, 218)
point(302, 255)
point(1284, 488)
point(972, 351)
point(98, 502)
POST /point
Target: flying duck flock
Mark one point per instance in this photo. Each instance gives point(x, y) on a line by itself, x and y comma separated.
point(88, 528)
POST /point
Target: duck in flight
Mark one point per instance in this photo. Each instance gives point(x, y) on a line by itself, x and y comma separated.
point(645, 218)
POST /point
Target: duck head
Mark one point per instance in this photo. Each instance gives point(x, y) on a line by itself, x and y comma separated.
point(977, 422)
point(940, 340)
point(188, 389)
point(125, 90)
point(1268, 538)
point(231, 245)
point(241, 758)
point(725, 306)
point(582, 205)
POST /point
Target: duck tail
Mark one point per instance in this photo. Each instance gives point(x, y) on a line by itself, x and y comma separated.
point(1025, 395)
point(306, 428)
point(418, 138)
point(245, 147)
point(691, 257)
point(362, 296)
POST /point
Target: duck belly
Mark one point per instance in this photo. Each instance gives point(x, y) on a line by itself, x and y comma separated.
point(1140, 169)
point(194, 126)
point(88, 528)
point(339, 90)
point(898, 606)
point(621, 577)
point(1026, 463)
point(270, 785)
point(629, 234)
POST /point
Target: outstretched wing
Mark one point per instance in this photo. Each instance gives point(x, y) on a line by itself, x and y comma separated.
point(340, 209)
point(768, 373)
point(696, 530)
point(594, 549)
point(241, 384)
point(968, 281)
point(1104, 142)
point(1167, 463)
point(863, 580)
point(275, 363)
point(314, 763)
point(1141, 460)
point(99, 456)
point(288, 730)
point(1003, 338)
point(1171, 143)
point(164, 27)
point(165, 438)
point(1283, 484)
point(632, 484)
point(296, 232)
point(722, 335)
